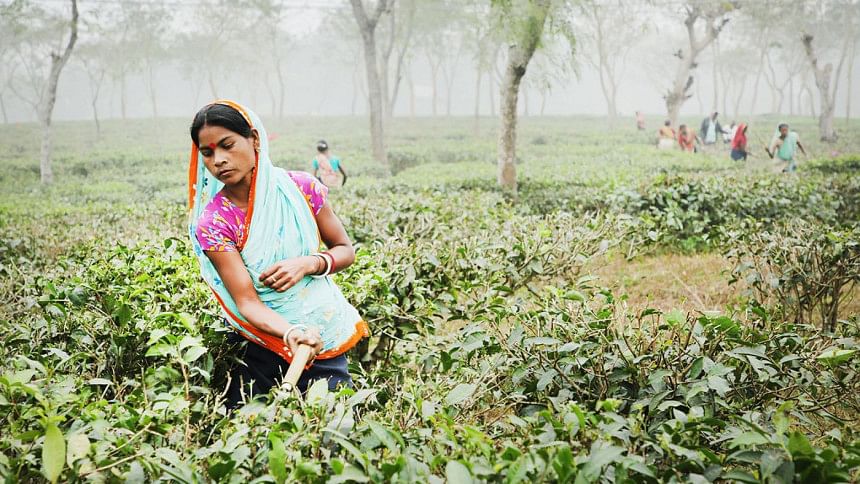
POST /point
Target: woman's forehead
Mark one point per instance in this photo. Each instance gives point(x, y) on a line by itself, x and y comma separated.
point(211, 132)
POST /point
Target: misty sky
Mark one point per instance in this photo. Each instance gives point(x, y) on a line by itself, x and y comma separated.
point(326, 77)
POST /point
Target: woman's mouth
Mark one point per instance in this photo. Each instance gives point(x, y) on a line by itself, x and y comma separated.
point(222, 174)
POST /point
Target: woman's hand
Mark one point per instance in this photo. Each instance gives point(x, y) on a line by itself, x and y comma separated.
point(287, 273)
point(311, 337)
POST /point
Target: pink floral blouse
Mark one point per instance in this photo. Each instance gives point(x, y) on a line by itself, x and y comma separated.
point(222, 223)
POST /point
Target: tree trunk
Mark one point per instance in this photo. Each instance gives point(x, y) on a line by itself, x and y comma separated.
point(752, 109)
point(401, 56)
point(3, 110)
point(476, 125)
point(716, 70)
point(607, 94)
point(367, 27)
point(153, 98)
point(49, 98)
point(519, 55)
point(738, 99)
point(679, 93)
point(850, 73)
point(434, 76)
point(282, 89)
point(411, 95)
point(544, 93)
point(122, 97)
point(811, 98)
point(356, 80)
point(96, 117)
point(791, 96)
point(491, 87)
point(822, 81)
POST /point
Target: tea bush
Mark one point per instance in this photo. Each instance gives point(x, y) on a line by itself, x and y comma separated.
point(807, 270)
point(497, 355)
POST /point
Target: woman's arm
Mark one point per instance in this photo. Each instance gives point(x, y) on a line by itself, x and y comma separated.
point(232, 271)
point(801, 147)
point(335, 238)
point(340, 167)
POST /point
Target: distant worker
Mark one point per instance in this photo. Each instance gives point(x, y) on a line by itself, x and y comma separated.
point(327, 167)
point(739, 143)
point(729, 136)
point(666, 136)
point(711, 129)
point(640, 121)
point(687, 139)
point(784, 146)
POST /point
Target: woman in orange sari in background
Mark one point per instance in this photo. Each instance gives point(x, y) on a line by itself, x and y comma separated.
point(687, 138)
point(666, 136)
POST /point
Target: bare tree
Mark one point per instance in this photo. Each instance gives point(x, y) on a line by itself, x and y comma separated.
point(367, 27)
point(40, 90)
point(826, 92)
point(483, 43)
point(398, 41)
point(608, 34)
point(792, 65)
point(529, 17)
point(714, 16)
point(850, 76)
point(269, 23)
point(92, 59)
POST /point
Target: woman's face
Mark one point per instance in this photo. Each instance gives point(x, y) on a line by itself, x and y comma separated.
point(229, 156)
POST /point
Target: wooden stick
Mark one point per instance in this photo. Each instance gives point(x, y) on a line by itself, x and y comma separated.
point(297, 366)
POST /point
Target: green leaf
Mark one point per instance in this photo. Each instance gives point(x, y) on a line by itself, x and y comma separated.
point(749, 438)
point(601, 455)
point(277, 459)
point(53, 453)
point(799, 445)
point(460, 393)
point(384, 435)
point(676, 318)
point(457, 473)
point(835, 356)
point(193, 353)
point(696, 368)
point(357, 454)
point(562, 464)
point(737, 475)
point(79, 447)
point(719, 385)
point(317, 392)
point(573, 295)
point(161, 349)
point(155, 335)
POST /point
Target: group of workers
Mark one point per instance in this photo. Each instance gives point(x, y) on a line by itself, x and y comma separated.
point(783, 146)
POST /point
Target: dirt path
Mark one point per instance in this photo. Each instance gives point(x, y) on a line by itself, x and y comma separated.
point(697, 282)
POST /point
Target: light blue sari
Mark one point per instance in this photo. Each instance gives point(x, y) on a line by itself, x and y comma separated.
point(279, 225)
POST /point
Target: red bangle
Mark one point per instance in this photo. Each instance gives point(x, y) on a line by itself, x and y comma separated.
point(333, 263)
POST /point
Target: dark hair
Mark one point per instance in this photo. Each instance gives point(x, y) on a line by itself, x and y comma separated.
point(219, 115)
point(782, 125)
point(322, 146)
point(683, 126)
point(667, 122)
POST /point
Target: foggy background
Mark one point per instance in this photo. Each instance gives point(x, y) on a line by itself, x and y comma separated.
point(145, 58)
